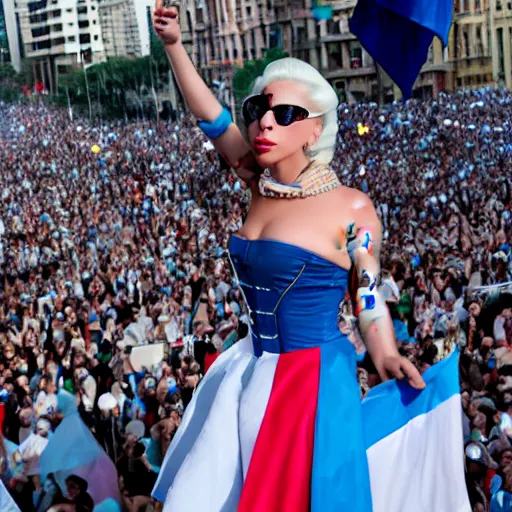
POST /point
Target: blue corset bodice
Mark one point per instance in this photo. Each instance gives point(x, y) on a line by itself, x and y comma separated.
point(293, 294)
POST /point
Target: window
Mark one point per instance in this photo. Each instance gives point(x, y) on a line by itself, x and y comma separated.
point(35, 6)
point(71, 39)
point(96, 37)
point(85, 38)
point(479, 43)
point(304, 55)
point(301, 35)
point(465, 36)
point(249, 12)
point(39, 32)
point(199, 16)
point(335, 56)
point(499, 5)
point(69, 10)
point(38, 18)
point(333, 27)
point(356, 55)
point(82, 10)
point(59, 40)
point(57, 27)
point(501, 64)
point(41, 45)
point(86, 56)
point(275, 36)
point(478, 6)
point(83, 24)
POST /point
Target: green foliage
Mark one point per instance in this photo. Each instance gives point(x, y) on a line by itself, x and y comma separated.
point(26, 75)
point(10, 89)
point(114, 85)
point(7, 71)
point(245, 77)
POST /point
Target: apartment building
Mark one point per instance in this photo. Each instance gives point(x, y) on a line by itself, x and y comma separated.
point(470, 49)
point(125, 27)
point(500, 14)
point(59, 35)
point(222, 34)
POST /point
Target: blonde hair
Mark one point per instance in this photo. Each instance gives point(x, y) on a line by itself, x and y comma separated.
point(322, 95)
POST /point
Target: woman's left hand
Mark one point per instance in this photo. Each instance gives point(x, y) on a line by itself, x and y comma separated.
point(399, 367)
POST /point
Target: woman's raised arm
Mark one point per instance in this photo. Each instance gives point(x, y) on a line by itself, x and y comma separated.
point(200, 100)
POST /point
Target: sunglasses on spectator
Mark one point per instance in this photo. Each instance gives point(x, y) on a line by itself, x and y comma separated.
point(255, 107)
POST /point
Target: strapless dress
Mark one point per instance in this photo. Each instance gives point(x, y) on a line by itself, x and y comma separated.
point(278, 424)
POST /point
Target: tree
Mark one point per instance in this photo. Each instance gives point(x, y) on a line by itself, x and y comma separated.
point(10, 89)
point(244, 77)
point(116, 86)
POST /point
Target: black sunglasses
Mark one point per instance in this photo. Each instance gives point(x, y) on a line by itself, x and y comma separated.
point(255, 107)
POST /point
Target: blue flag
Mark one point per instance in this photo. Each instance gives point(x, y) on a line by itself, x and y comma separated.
point(398, 34)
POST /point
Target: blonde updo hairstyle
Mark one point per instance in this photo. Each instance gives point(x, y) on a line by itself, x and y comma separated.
point(322, 96)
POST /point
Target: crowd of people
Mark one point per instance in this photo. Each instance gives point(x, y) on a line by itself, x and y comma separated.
point(116, 286)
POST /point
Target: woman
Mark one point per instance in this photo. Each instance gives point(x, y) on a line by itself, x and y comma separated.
point(279, 426)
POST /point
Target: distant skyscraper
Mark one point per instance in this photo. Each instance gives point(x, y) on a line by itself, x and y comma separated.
point(59, 35)
point(125, 28)
point(11, 48)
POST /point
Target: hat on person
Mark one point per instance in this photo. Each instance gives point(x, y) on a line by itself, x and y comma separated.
point(477, 452)
point(136, 428)
point(150, 383)
point(235, 308)
point(43, 426)
point(107, 402)
point(82, 374)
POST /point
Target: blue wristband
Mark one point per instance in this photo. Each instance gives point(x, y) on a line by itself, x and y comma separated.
point(218, 127)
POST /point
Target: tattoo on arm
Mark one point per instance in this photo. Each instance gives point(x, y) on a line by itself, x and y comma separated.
point(369, 307)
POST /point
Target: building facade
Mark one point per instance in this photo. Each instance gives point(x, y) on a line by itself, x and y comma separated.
point(222, 34)
point(59, 35)
point(11, 46)
point(501, 41)
point(470, 47)
point(125, 27)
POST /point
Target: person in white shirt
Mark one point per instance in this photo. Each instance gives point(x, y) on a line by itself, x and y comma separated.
point(388, 288)
point(500, 334)
point(46, 402)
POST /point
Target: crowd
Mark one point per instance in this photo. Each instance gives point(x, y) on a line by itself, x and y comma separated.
point(116, 286)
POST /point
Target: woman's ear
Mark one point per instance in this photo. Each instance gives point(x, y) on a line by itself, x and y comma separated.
point(315, 135)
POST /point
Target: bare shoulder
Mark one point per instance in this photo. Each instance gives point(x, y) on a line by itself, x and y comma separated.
point(359, 205)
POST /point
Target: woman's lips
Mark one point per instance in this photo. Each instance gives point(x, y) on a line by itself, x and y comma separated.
point(263, 145)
